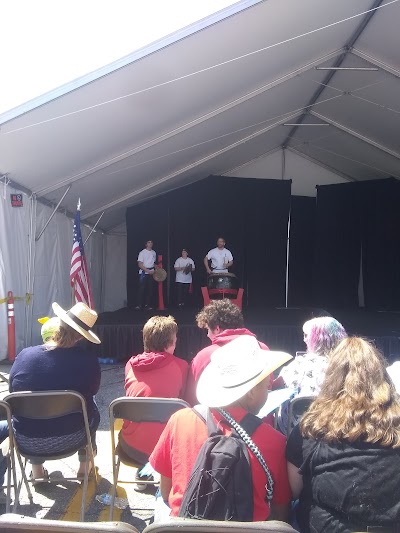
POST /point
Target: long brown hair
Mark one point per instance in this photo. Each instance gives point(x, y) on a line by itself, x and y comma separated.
point(358, 400)
point(65, 337)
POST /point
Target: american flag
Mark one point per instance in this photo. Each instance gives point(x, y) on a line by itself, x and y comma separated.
point(79, 275)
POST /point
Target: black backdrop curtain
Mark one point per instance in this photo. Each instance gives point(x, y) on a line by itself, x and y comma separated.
point(380, 238)
point(301, 251)
point(252, 216)
point(354, 221)
point(337, 246)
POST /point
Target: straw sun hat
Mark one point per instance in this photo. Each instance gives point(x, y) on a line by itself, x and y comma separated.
point(235, 369)
point(81, 318)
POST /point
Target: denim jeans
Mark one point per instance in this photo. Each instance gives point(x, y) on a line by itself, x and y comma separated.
point(3, 460)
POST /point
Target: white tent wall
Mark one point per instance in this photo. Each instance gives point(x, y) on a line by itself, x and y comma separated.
point(3, 310)
point(52, 265)
point(14, 249)
point(114, 280)
point(287, 164)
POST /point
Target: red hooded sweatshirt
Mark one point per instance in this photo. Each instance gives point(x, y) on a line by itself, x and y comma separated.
point(150, 374)
point(203, 358)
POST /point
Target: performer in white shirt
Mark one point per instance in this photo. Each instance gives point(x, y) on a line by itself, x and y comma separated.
point(220, 257)
point(184, 266)
point(146, 262)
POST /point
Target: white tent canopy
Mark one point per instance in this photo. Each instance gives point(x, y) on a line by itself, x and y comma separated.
point(212, 99)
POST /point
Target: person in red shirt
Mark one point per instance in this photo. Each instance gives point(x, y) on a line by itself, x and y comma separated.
point(224, 322)
point(237, 379)
point(156, 372)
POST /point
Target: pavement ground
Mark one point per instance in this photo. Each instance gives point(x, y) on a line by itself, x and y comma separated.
point(62, 501)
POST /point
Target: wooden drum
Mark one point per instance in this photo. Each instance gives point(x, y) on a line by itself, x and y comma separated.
point(222, 285)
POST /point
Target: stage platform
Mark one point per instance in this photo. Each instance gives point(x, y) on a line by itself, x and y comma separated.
point(121, 331)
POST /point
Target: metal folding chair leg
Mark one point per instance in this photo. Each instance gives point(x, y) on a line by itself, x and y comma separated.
point(89, 461)
point(24, 480)
point(8, 494)
point(114, 486)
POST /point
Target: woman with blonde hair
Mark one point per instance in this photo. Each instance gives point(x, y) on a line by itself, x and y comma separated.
point(344, 456)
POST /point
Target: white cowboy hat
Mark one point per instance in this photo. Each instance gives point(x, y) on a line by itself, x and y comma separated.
point(235, 369)
point(81, 318)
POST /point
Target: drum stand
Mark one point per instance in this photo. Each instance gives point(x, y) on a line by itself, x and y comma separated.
point(207, 293)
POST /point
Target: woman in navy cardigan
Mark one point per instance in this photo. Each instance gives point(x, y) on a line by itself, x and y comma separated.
point(60, 364)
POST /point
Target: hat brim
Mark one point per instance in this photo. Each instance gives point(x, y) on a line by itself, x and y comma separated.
point(211, 393)
point(62, 315)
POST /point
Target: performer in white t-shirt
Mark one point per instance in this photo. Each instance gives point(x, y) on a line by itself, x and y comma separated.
point(184, 266)
point(146, 262)
point(220, 257)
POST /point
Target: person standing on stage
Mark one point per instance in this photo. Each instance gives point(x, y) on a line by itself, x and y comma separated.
point(146, 261)
point(184, 266)
point(220, 257)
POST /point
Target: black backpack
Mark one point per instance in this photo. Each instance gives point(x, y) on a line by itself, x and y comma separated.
point(220, 486)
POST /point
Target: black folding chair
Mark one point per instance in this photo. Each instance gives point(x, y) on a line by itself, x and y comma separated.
point(297, 407)
point(7, 448)
point(22, 524)
point(211, 526)
point(46, 405)
point(137, 410)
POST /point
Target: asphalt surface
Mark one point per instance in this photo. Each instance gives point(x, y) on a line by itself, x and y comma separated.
point(62, 501)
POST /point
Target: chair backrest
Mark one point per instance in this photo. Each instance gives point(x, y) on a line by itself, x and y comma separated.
point(46, 404)
point(210, 526)
point(5, 411)
point(18, 523)
point(145, 409)
point(297, 407)
point(300, 404)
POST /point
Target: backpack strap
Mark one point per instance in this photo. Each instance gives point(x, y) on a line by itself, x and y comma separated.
point(205, 415)
point(245, 437)
point(250, 423)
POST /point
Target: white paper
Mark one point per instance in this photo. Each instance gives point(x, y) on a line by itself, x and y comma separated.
point(275, 399)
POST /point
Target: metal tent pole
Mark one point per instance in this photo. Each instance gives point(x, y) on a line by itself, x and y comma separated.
point(93, 229)
point(287, 262)
point(53, 213)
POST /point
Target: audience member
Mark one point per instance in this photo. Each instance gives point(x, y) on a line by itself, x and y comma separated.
point(49, 328)
point(344, 456)
point(224, 322)
point(237, 379)
point(306, 373)
point(62, 363)
point(156, 372)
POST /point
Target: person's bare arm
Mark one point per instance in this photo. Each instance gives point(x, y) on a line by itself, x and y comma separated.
point(279, 512)
point(228, 264)
point(295, 480)
point(165, 487)
point(207, 265)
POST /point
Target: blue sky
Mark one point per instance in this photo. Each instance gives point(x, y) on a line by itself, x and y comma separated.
point(47, 43)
